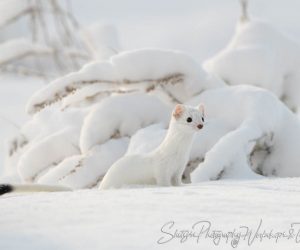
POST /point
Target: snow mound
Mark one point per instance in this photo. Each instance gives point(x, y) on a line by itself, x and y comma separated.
point(121, 116)
point(260, 55)
point(46, 153)
point(76, 146)
point(86, 170)
point(263, 135)
point(136, 217)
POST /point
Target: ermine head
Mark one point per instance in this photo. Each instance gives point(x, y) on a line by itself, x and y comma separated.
point(188, 118)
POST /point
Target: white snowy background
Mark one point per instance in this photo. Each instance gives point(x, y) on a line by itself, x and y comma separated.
point(104, 110)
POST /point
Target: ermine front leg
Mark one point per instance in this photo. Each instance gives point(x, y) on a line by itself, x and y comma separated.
point(163, 179)
point(177, 179)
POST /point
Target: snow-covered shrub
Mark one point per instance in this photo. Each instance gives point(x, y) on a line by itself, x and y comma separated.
point(173, 76)
point(82, 123)
point(247, 131)
point(260, 55)
point(262, 133)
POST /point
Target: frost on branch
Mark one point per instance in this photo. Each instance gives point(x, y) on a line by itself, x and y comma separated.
point(260, 55)
point(82, 123)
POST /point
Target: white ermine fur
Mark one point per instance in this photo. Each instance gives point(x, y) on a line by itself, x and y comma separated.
point(164, 166)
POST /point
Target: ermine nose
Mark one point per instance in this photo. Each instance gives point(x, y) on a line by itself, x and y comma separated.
point(200, 126)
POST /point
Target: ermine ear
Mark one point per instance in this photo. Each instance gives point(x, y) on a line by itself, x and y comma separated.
point(178, 111)
point(201, 108)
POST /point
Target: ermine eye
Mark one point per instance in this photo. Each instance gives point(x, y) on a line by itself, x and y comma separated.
point(189, 119)
point(203, 119)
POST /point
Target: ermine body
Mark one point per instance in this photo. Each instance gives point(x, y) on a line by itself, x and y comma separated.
point(165, 165)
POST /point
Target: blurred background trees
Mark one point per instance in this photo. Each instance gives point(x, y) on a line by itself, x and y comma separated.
point(40, 38)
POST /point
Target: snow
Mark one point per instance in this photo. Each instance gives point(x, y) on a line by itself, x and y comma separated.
point(49, 150)
point(246, 129)
point(12, 103)
point(124, 115)
point(250, 137)
point(102, 40)
point(130, 68)
point(12, 9)
point(19, 48)
point(86, 171)
point(81, 114)
point(133, 218)
point(200, 28)
point(260, 55)
point(160, 47)
point(43, 130)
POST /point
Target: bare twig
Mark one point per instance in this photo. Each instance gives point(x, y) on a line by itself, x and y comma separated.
point(17, 144)
point(16, 17)
point(73, 171)
point(24, 71)
point(40, 17)
point(96, 182)
point(244, 12)
point(25, 54)
point(92, 97)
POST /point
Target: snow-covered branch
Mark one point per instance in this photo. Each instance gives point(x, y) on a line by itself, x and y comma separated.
point(177, 75)
point(12, 10)
point(260, 55)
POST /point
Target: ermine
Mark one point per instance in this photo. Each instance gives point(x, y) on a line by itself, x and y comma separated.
point(164, 166)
